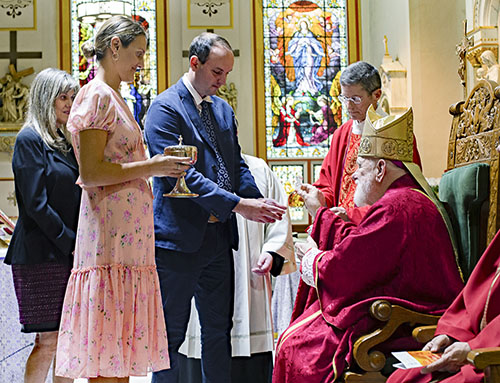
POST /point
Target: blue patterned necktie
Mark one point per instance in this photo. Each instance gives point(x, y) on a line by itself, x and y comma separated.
point(223, 180)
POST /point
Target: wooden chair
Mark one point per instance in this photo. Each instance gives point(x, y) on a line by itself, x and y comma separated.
point(370, 360)
point(474, 135)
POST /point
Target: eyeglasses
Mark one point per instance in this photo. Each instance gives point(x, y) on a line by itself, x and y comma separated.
point(355, 100)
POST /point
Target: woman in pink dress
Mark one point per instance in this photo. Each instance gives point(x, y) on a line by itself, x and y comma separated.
point(112, 324)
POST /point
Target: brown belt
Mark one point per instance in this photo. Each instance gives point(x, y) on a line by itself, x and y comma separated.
point(213, 219)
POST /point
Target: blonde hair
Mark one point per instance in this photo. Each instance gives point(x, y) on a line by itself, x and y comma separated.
point(122, 27)
point(47, 86)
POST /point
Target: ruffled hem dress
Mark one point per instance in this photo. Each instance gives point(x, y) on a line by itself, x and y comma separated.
point(112, 321)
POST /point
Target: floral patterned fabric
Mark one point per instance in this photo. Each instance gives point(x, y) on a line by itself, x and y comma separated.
point(112, 323)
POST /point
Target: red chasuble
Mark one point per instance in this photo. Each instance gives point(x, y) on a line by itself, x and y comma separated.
point(401, 252)
point(336, 167)
point(473, 317)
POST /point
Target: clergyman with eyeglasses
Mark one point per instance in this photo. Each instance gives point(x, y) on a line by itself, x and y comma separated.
point(361, 87)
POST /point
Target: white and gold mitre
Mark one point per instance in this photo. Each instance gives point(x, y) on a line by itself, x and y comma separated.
point(389, 137)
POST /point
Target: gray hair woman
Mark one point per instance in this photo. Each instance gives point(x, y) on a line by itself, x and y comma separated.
point(40, 252)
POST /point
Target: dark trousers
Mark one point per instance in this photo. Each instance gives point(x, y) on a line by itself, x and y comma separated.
point(257, 368)
point(208, 275)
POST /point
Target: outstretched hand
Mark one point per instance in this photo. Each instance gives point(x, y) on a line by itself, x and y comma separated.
point(264, 210)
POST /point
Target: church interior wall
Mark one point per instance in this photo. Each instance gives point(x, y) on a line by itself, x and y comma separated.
point(435, 29)
point(377, 22)
point(240, 38)
point(422, 34)
point(42, 39)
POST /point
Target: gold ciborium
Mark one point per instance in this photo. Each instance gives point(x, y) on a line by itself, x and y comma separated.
point(180, 189)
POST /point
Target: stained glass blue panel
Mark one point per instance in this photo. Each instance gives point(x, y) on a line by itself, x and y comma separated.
point(305, 48)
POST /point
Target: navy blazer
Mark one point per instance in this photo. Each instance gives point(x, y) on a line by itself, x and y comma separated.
point(180, 223)
point(48, 201)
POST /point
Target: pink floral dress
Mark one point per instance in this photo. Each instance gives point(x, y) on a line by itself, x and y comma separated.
point(112, 322)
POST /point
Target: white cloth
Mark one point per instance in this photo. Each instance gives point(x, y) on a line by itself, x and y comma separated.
point(252, 324)
point(196, 96)
point(358, 126)
point(307, 266)
point(284, 293)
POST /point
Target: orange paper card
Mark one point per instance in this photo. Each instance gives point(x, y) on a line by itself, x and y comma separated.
point(412, 359)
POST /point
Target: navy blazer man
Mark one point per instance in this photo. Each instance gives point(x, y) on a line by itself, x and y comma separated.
point(194, 236)
point(180, 223)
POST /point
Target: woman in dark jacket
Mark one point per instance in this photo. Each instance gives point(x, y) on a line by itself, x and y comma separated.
point(40, 252)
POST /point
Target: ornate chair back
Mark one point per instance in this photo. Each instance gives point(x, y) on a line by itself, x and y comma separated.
point(470, 184)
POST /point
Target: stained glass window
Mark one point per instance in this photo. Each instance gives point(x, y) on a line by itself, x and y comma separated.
point(305, 49)
point(289, 175)
point(315, 173)
point(87, 16)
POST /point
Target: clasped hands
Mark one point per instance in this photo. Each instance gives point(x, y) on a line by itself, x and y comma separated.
point(453, 358)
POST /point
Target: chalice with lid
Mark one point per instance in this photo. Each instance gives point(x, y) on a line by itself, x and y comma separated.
point(180, 189)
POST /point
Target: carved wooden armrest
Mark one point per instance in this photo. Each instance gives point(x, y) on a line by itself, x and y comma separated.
point(484, 357)
point(423, 334)
point(394, 316)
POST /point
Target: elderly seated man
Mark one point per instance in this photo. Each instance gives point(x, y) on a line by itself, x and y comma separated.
point(400, 251)
point(472, 321)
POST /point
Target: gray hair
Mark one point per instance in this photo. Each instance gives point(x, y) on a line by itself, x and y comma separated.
point(203, 44)
point(122, 27)
point(47, 86)
point(363, 74)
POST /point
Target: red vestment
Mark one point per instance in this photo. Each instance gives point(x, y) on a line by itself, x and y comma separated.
point(287, 116)
point(400, 251)
point(462, 321)
point(333, 167)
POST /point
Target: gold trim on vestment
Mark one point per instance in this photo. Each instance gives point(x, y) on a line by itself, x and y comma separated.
point(289, 331)
point(429, 193)
point(335, 373)
point(483, 323)
point(316, 260)
point(315, 265)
